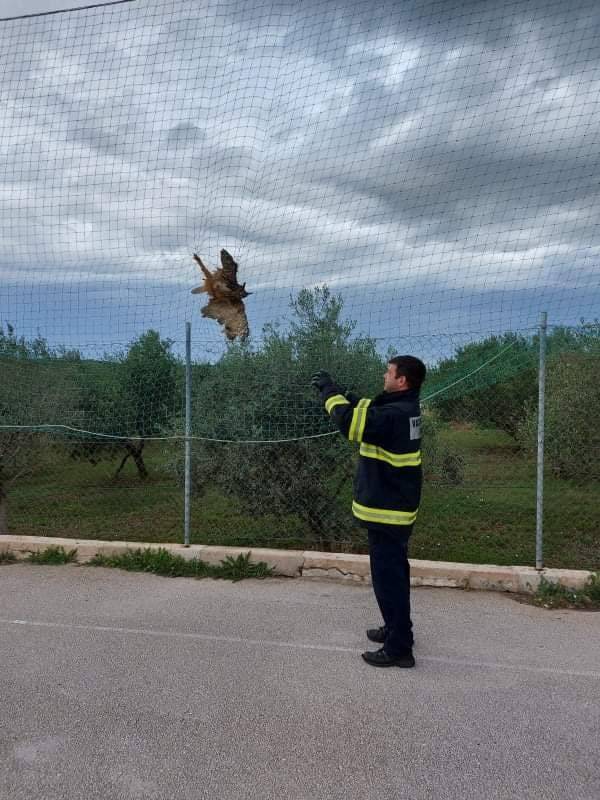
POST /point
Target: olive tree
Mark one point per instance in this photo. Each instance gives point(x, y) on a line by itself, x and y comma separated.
point(130, 398)
point(37, 393)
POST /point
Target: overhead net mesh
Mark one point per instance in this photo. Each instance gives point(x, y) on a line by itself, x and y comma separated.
point(390, 178)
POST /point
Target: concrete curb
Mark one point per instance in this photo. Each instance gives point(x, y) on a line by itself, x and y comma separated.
point(336, 566)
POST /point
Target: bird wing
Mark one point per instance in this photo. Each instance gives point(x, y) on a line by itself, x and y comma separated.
point(230, 269)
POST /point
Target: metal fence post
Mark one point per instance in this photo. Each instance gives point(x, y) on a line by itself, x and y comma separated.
point(188, 434)
point(539, 528)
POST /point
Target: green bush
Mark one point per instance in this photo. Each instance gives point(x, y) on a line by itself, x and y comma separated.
point(441, 464)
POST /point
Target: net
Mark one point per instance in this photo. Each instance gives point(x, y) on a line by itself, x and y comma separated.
point(415, 177)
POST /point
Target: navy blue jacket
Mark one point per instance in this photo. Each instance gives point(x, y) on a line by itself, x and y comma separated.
point(387, 486)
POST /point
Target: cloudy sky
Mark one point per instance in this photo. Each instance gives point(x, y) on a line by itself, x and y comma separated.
point(436, 163)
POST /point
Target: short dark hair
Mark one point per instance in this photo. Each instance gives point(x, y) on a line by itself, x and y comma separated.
point(413, 369)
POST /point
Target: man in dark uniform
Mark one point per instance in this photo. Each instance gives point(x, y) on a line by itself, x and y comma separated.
point(387, 491)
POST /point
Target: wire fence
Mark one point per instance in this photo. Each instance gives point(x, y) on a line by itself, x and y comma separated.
point(265, 467)
point(414, 177)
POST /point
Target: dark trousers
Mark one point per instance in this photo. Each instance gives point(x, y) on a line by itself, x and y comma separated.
point(390, 575)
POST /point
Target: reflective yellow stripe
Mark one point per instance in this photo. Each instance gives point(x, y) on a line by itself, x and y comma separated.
point(335, 400)
point(359, 420)
point(395, 459)
point(383, 515)
point(363, 419)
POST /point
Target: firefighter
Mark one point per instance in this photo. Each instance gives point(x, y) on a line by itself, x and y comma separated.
point(387, 491)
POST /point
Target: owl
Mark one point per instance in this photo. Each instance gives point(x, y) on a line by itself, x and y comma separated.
point(226, 297)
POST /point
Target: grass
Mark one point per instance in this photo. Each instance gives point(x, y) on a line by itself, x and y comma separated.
point(158, 561)
point(489, 518)
point(161, 562)
point(53, 555)
point(554, 595)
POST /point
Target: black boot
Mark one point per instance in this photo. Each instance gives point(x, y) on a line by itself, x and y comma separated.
point(379, 658)
point(377, 634)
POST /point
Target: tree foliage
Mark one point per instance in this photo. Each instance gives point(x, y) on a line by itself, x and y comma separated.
point(501, 393)
point(19, 347)
point(494, 396)
point(572, 411)
point(262, 400)
point(286, 458)
point(33, 394)
point(131, 397)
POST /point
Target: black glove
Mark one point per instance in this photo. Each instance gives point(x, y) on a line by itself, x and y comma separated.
point(321, 379)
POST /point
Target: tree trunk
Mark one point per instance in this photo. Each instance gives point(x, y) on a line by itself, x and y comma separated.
point(139, 459)
point(136, 454)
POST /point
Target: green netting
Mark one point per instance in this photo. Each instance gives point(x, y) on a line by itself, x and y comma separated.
point(413, 177)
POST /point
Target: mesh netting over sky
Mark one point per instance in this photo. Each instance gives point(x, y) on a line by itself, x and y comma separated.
point(434, 163)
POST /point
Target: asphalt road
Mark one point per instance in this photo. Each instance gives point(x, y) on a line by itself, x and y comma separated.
point(119, 685)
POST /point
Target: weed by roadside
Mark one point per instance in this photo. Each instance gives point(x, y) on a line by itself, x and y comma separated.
point(555, 595)
point(7, 557)
point(161, 562)
point(235, 569)
point(53, 555)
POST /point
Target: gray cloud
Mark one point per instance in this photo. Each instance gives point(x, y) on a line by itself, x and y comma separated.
point(423, 152)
